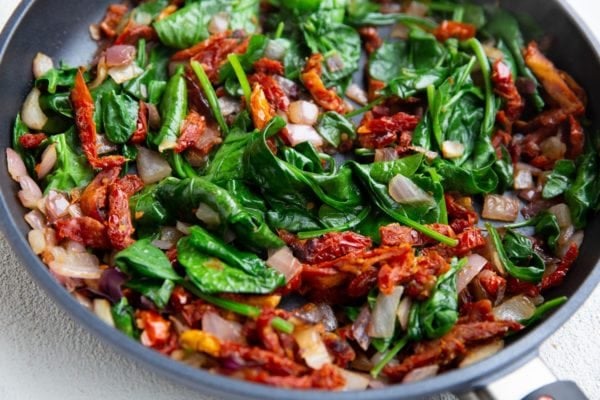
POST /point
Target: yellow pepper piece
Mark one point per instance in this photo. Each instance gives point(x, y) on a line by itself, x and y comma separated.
point(200, 341)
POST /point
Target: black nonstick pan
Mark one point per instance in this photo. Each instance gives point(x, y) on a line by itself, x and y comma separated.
point(59, 28)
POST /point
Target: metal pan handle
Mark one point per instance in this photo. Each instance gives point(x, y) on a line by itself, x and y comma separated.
point(533, 381)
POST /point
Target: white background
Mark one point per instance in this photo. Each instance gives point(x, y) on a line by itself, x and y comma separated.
point(45, 355)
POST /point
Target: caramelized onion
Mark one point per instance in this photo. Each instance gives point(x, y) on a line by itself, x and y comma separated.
point(47, 162)
point(101, 308)
point(120, 55)
point(500, 208)
point(227, 331)
point(283, 260)
point(419, 374)
point(481, 353)
point(70, 264)
point(383, 319)
point(41, 64)
point(303, 112)
point(312, 348)
point(404, 191)
point(151, 166)
point(516, 308)
point(475, 264)
point(303, 133)
point(31, 112)
point(16, 166)
point(30, 193)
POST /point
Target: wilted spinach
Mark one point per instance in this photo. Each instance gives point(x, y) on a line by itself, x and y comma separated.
point(72, 169)
point(119, 115)
point(144, 260)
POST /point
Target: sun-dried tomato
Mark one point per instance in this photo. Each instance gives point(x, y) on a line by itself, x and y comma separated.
point(378, 132)
point(453, 29)
point(32, 140)
point(85, 230)
point(397, 269)
point(328, 247)
point(450, 347)
point(83, 105)
point(119, 225)
point(311, 77)
point(268, 337)
point(133, 32)
point(396, 234)
point(193, 312)
point(339, 348)
point(192, 129)
point(428, 266)
point(267, 360)
point(110, 23)
point(156, 331)
point(371, 39)
point(269, 67)
point(556, 87)
point(325, 378)
point(94, 198)
point(362, 284)
point(212, 52)
point(469, 240)
point(576, 138)
point(504, 86)
point(261, 110)
point(141, 130)
point(494, 284)
point(272, 89)
point(558, 276)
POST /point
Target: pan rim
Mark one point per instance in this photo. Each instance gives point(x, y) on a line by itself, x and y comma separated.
point(522, 349)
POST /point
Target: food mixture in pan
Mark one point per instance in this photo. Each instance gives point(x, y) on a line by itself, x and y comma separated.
point(309, 194)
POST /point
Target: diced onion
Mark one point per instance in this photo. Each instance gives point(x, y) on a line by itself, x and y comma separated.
point(417, 9)
point(275, 50)
point(403, 312)
point(154, 120)
point(151, 166)
point(37, 241)
point(208, 215)
point(102, 310)
point(429, 155)
point(289, 87)
point(303, 133)
point(104, 145)
point(386, 154)
point(563, 215)
point(47, 162)
point(227, 331)
point(312, 348)
point(481, 353)
point(101, 74)
point(523, 180)
point(493, 53)
point(183, 227)
point(228, 106)
point(475, 264)
point(35, 219)
point(404, 191)
point(94, 30)
point(359, 328)
point(31, 112)
point(452, 149)
point(500, 208)
point(68, 264)
point(354, 381)
point(283, 260)
point(420, 374)
point(16, 166)
point(356, 93)
point(516, 308)
point(41, 64)
point(30, 193)
point(125, 73)
point(303, 112)
point(399, 31)
point(334, 62)
point(120, 55)
point(56, 205)
point(168, 238)
point(219, 23)
point(576, 238)
point(383, 319)
point(553, 148)
point(317, 313)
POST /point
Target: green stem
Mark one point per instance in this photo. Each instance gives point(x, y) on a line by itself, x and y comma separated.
point(490, 107)
point(346, 227)
point(211, 96)
point(365, 108)
point(182, 168)
point(241, 75)
point(239, 308)
point(279, 30)
point(543, 310)
point(422, 228)
point(388, 357)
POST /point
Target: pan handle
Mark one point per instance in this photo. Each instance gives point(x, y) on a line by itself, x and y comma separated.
point(533, 381)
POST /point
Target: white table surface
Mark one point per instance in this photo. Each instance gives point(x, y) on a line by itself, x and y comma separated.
point(46, 355)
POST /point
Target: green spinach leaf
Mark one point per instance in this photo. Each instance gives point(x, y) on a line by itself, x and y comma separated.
point(144, 260)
